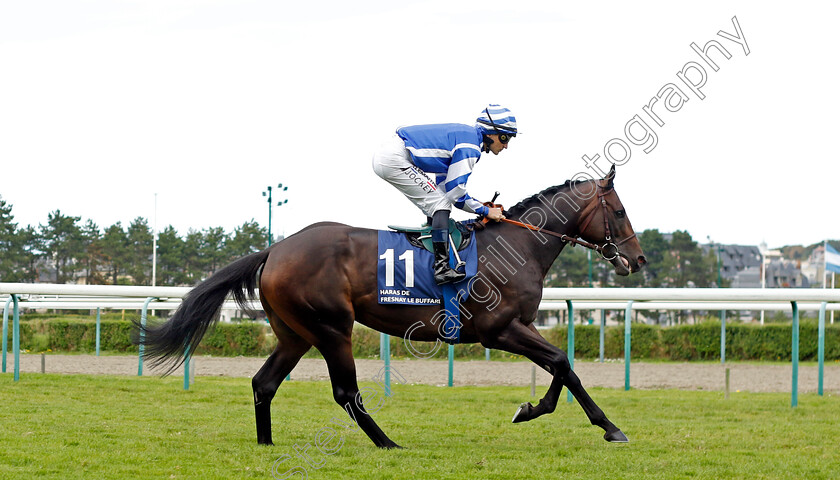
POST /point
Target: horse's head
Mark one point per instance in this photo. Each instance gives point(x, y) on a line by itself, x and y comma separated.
point(604, 222)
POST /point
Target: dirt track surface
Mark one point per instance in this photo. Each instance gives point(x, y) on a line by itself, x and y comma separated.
point(688, 376)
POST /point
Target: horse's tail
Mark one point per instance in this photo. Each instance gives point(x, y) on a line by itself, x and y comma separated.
point(168, 343)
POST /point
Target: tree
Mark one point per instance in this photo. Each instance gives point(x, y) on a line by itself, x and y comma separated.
point(693, 268)
point(10, 246)
point(170, 253)
point(570, 269)
point(94, 255)
point(62, 243)
point(115, 250)
point(139, 253)
point(213, 248)
point(660, 262)
point(193, 263)
point(31, 246)
point(246, 239)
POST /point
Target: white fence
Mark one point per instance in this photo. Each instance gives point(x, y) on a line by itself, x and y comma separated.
point(83, 297)
point(691, 298)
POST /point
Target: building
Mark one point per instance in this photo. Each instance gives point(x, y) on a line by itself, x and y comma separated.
point(740, 265)
point(786, 274)
point(783, 273)
point(814, 268)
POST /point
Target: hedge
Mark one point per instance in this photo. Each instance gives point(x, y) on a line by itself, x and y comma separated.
point(226, 339)
point(680, 343)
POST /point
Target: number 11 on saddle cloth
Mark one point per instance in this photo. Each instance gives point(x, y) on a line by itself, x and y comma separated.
point(404, 277)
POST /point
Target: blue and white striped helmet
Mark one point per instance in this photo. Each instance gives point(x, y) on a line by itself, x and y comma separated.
point(497, 119)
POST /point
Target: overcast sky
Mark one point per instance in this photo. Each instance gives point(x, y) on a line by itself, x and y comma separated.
point(104, 104)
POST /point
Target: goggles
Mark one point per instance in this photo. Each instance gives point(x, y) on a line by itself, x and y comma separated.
point(504, 138)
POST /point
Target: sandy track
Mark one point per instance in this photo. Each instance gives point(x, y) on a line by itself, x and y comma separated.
point(689, 376)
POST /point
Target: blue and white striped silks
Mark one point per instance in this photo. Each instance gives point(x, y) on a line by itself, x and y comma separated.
point(449, 150)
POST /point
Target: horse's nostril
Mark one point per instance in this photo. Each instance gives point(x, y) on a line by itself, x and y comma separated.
point(642, 260)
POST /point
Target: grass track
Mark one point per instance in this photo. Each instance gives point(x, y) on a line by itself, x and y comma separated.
point(63, 426)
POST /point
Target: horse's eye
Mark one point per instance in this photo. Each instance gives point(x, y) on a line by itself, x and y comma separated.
point(619, 213)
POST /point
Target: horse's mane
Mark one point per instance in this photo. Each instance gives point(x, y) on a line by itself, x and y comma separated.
point(527, 203)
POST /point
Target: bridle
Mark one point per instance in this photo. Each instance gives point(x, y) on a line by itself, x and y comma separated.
point(602, 193)
point(601, 249)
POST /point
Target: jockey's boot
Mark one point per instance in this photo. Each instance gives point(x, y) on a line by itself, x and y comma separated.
point(443, 272)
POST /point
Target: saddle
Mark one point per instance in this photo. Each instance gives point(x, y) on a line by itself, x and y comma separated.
point(421, 237)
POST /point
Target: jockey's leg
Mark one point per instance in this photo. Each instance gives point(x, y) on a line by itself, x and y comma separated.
point(440, 240)
point(440, 220)
point(393, 164)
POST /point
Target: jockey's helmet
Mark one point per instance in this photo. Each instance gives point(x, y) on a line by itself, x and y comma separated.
point(497, 119)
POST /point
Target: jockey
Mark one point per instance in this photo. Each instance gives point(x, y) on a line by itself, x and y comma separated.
point(430, 165)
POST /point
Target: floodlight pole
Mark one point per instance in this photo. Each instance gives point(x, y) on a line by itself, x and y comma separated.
point(281, 188)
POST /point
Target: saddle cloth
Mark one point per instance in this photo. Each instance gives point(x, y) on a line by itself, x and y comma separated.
point(405, 277)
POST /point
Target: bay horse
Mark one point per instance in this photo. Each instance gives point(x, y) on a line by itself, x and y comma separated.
point(316, 283)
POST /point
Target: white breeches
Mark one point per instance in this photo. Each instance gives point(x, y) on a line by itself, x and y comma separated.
point(393, 163)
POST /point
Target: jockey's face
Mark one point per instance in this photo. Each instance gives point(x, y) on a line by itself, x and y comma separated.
point(497, 146)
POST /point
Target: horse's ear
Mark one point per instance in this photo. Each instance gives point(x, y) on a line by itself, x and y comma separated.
point(608, 180)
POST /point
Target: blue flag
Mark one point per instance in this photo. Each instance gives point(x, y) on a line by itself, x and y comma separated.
point(832, 259)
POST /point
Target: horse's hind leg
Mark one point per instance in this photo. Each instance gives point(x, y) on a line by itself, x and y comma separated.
point(290, 347)
point(342, 368)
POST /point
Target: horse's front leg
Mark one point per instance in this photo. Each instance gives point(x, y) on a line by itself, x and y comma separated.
point(595, 414)
point(547, 404)
point(525, 340)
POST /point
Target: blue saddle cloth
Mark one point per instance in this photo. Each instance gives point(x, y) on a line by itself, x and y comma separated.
point(404, 276)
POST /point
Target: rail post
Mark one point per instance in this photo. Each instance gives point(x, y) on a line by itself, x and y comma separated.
point(451, 361)
point(187, 368)
point(723, 336)
point(16, 336)
point(821, 348)
point(601, 335)
point(385, 354)
point(571, 348)
point(794, 353)
point(627, 315)
point(98, 323)
point(141, 349)
point(5, 330)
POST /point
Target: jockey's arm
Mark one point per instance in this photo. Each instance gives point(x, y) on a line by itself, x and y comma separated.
point(464, 159)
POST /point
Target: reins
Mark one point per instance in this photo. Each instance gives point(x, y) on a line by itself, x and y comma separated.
point(561, 236)
point(602, 192)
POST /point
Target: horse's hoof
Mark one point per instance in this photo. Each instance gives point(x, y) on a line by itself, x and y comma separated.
point(523, 413)
point(616, 437)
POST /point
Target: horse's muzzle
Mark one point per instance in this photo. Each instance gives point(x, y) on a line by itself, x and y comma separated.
point(641, 261)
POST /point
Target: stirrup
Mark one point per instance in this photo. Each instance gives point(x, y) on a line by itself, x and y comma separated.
point(461, 264)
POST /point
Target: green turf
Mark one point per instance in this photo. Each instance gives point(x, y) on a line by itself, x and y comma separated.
point(77, 426)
